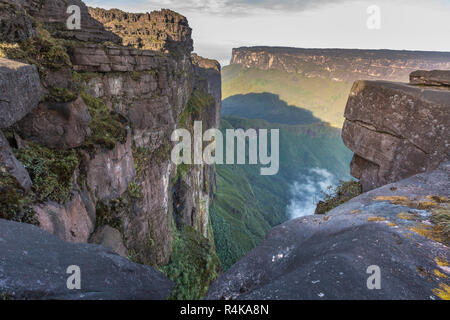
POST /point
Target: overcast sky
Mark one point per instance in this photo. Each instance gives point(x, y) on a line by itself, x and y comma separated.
point(220, 25)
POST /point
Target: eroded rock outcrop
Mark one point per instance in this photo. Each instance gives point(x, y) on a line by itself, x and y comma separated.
point(34, 264)
point(396, 130)
point(57, 125)
point(400, 228)
point(110, 238)
point(70, 222)
point(15, 24)
point(430, 78)
point(54, 14)
point(20, 91)
point(165, 30)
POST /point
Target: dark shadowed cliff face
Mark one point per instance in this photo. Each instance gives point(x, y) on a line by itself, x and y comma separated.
point(341, 64)
point(91, 134)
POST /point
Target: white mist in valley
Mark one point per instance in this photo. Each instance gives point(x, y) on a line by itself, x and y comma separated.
point(306, 192)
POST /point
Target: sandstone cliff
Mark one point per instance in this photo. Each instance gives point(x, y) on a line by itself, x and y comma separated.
point(160, 31)
point(397, 130)
point(87, 129)
point(341, 64)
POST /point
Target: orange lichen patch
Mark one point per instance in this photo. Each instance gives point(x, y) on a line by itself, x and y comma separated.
point(439, 274)
point(438, 199)
point(442, 262)
point(428, 231)
point(406, 216)
point(326, 218)
point(432, 201)
point(376, 219)
point(401, 200)
point(355, 212)
point(391, 224)
point(443, 291)
point(426, 204)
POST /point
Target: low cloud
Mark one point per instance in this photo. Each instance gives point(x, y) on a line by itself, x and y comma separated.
point(307, 192)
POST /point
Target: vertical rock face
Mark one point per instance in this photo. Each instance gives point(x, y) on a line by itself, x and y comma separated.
point(397, 130)
point(57, 125)
point(207, 75)
point(70, 222)
point(109, 172)
point(114, 109)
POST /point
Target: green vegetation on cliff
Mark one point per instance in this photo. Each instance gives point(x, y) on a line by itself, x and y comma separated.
point(247, 205)
point(50, 170)
point(43, 51)
point(344, 192)
point(14, 202)
point(198, 100)
point(194, 264)
point(107, 126)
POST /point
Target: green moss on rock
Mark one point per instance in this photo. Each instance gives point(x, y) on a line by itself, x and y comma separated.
point(43, 51)
point(108, 127)
point(51, 171)
point(134, 190)
point(194, 264)
point(109, 213)
point(194, 108)
point(141, 158)
point(60, 95)
point(15, 204)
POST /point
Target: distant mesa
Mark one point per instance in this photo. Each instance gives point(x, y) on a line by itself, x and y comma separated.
point(342, 64)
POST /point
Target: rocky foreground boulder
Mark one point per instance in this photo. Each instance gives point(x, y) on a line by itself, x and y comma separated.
point(401, 228)
point(20, 91)
point(397, 130)
point(34, 266)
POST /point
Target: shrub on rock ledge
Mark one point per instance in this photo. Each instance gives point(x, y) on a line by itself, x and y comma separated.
point(344, 192)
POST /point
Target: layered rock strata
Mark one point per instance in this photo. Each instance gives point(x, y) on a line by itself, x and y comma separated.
point(397, 130)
